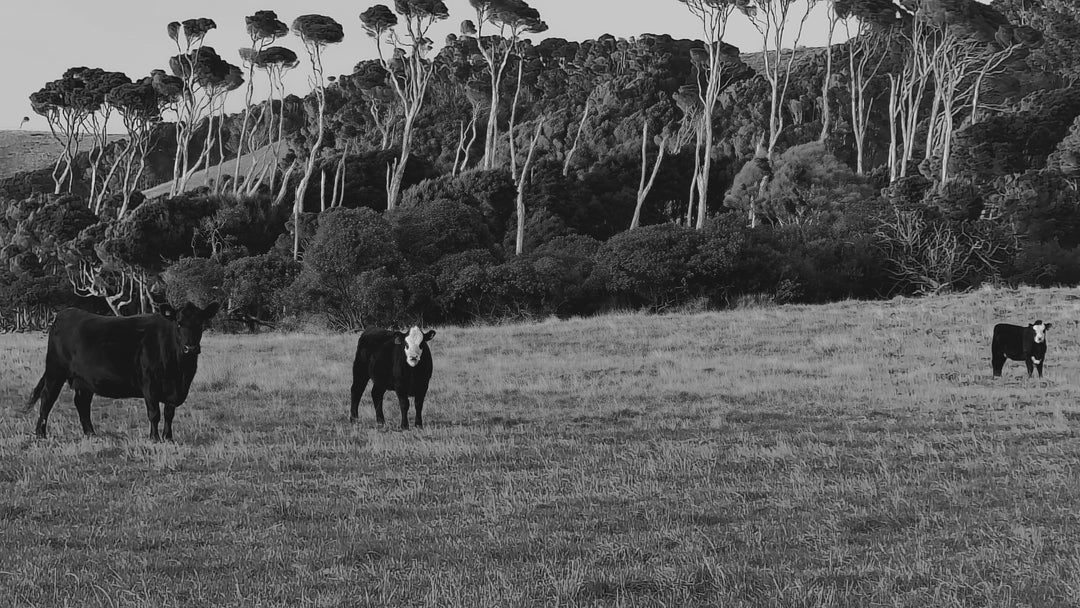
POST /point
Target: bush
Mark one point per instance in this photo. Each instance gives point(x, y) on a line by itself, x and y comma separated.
point(1044, 264)
point(462, 281)
point(352, 257)
point(649, 266)
point(195, 280)
point(438, 228)
point(256, 285)
point(492, 193)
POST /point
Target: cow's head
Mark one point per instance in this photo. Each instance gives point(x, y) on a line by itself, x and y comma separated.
point(1040, 331)
point(190, 321)
point(415, 342)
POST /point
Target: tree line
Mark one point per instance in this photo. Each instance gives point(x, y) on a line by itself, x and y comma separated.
point(932, 149)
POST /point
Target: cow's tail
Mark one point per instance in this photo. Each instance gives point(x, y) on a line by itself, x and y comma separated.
point(34, 396)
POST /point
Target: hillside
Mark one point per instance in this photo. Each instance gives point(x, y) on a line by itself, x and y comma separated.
point(30, 150)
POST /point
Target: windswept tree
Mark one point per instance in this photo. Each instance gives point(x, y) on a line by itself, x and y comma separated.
point(973, 44)
point(510, 19)
point(316, 32)
point(138, 106)
point(263, 28)
point(208, 79)
point(99, 86)
point(66, 105)
point(275, 61)
point(715, 67)
point(189, 106)
point(408, 69)
point(771, 19)
point(869, 25)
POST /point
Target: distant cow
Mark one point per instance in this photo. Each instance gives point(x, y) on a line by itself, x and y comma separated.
point(149, 356)
point(392, 360)
point(1019, 343)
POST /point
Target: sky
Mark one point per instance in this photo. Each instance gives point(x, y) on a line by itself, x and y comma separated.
point(42, 39)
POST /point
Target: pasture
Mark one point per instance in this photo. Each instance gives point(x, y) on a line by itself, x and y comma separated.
point(852, 454)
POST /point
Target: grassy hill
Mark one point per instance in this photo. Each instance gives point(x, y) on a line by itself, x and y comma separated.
point(31, 150)
point(852, 454)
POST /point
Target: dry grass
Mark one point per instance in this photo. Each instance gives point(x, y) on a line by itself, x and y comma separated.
point(854, 454)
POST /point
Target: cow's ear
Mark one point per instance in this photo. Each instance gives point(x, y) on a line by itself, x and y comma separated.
point(1049, 325)
point(167, 311)
point(429, 335)
point(398, 337)
point(211, 310)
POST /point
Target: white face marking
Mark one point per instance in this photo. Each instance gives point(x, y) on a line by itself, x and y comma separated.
point(1040, 333)
point(412, 346)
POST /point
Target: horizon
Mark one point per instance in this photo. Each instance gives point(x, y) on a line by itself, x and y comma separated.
point(145, 23)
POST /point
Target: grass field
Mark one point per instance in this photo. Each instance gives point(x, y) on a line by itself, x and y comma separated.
point(856, 454)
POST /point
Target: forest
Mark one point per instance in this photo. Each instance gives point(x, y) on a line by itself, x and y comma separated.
point(933, 147)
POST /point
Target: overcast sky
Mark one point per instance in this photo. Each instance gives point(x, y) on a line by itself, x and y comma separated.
point(44, 38)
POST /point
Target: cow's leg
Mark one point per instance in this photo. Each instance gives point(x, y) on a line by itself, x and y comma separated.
point(1038, 366)
point(359, 383)
point(82, 404)
point(403, 403)
point(1030, 366)
point(166, 431)
point(50, 391)
point(998, 361)
point(153, 413)
point(418, 403)
point(377, 393)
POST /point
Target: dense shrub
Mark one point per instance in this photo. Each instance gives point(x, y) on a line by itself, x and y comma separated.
point(256, 285)
point(339, 267)
point(492, 193)
point(463, 284)
point(650, 266)
point(1044, 264)
point(195, 280)
point(437, 228)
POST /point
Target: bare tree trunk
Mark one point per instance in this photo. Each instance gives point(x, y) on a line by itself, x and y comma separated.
point(826, 87)
point(513, 119)
point(577, 138)
point(643, 187)
point(519, 242)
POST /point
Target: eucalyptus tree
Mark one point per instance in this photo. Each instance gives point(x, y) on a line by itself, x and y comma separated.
point(511, 19)
point(65, 104)
point(868, 25)
point(714, 65)
point(208, 79)
point(263, 28)
point(409, 72)
point(643, 186)
point(771, 19)
point(138, 106)
point(275, 61)
point(99, 85)
point(974, 43)
point(191, 106)
point(316, 32)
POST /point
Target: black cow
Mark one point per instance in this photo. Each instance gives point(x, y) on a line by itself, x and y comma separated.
point(397, 360)
point(1019, 343)
point(150, 356)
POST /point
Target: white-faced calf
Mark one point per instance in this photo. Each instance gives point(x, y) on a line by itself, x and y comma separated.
point(1019, 343)
point(392, 360)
